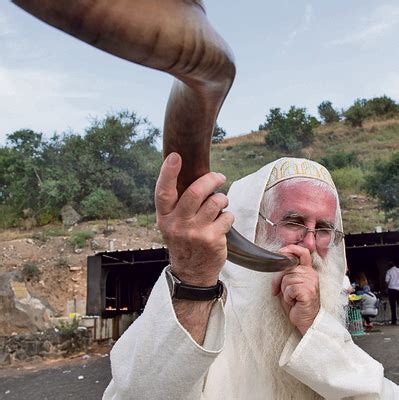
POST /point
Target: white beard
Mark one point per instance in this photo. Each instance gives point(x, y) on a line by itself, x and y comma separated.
point(271, 327)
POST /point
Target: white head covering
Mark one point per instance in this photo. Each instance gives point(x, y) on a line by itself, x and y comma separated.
point(245, 197)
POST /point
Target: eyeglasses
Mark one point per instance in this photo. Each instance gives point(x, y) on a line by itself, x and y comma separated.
point(294, 233)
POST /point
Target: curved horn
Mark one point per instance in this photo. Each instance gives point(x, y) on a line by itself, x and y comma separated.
point(172, 36)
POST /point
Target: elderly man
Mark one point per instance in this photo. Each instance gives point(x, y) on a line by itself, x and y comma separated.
point(277, 336)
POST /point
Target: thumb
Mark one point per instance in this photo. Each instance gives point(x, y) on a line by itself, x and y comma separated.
point(166, 195)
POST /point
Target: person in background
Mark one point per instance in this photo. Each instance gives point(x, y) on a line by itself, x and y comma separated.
point(392, 281)
point(369, 307)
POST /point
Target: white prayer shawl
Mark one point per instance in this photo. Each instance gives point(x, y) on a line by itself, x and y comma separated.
point(156, 358)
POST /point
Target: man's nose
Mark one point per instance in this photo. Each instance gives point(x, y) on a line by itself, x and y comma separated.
point(309, 241)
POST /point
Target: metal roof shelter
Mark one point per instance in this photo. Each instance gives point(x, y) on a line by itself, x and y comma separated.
point(119, 282)
point(371, 253)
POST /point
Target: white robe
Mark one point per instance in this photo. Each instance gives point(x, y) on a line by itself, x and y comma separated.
point(156, 358)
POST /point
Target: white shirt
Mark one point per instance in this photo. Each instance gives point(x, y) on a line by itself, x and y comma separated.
point(392, 278)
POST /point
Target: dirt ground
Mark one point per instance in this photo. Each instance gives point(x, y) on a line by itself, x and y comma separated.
point(62, 267)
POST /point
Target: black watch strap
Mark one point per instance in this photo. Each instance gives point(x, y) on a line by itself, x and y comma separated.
point(180, 290)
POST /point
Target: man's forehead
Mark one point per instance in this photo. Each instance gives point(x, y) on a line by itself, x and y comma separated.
point(305, 197)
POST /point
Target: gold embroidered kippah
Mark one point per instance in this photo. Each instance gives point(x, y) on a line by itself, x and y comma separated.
point(288, 168)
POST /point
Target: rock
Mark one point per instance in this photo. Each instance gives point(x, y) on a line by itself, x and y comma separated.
point(5, 358)
point(131, 220)
point(47, 346)
point(21, 354)
point(78, 251)
point(69, 215)
point(30, 241)
point(94, 245)
point(75, 269)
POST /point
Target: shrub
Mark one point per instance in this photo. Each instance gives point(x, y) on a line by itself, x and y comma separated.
point(218, 134)
point(383, 184)
point(30, 271)
point(289, 131)
point(146, 219)
point(101, 204)
point(56, 231)
point(339, 160)
point(357, 113)
point(327, 112)
point(380, 106)
point(348, 178)
point(68, 327)
point(78, 239)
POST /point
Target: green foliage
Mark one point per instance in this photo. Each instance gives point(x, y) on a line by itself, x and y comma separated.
point(339, 160)
point(146, 219)
point(218, 134)
point(117, 154)
point(101, 204)
point(56, 231)
point(380, 106)
point(383, 184)
point(327, 112)
point(78, 239)
point(348, 178)
point(67, 327)
point(357, 113)
point(30, 271)
point(289, 131)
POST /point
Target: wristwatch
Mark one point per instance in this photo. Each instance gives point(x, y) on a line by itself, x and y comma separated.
point(180, 290)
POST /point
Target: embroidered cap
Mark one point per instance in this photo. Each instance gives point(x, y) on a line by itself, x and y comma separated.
point(288, 168)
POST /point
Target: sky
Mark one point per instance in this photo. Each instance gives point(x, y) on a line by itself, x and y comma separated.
point(287, 53)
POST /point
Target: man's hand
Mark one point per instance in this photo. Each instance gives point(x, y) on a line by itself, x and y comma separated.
point(299, 289)
point(194, 226)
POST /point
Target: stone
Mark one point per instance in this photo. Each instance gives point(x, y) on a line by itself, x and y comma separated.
point(69, 215)
point(94, 245)
point(5, 358)
point(131, 220)
point(21, 355)
point(47, 346)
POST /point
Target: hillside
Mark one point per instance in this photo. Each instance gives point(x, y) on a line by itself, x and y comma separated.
point(377, 139)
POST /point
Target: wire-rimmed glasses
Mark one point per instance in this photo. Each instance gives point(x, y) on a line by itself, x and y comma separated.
point(294, 233)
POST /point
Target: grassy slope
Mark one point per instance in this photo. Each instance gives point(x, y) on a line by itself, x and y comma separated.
point(239, 156)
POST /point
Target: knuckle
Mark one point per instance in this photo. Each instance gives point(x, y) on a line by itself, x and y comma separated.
point(194, 193)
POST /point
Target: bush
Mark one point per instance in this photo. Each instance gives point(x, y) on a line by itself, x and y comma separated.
point(357, 113)
point(56, 231)
point(327, 112)
point(30, 271)
point(218, 134)
point(146, 219)
point(101, 204)
point(380, 106)
point(348, 178)
point(78, 239)
point(339, 160)
point(68, 327)
point(383, 184)
point(289, 131)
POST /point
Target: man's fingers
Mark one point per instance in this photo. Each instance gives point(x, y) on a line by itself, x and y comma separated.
point(302, 253)
point(224, 222)
point(198, 192)
point(165, 191)
point(212, 207)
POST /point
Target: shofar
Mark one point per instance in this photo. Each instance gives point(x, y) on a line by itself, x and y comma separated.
point(172, 36)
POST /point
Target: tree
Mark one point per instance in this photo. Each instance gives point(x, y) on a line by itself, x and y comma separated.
point(101, 204)
point(383, 184)
point(327, 112)
point(380, 106)
point(218, 134)
point(289, 131)
point(357, 113)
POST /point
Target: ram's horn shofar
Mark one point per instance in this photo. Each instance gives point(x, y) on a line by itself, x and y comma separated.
point(172, 36)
